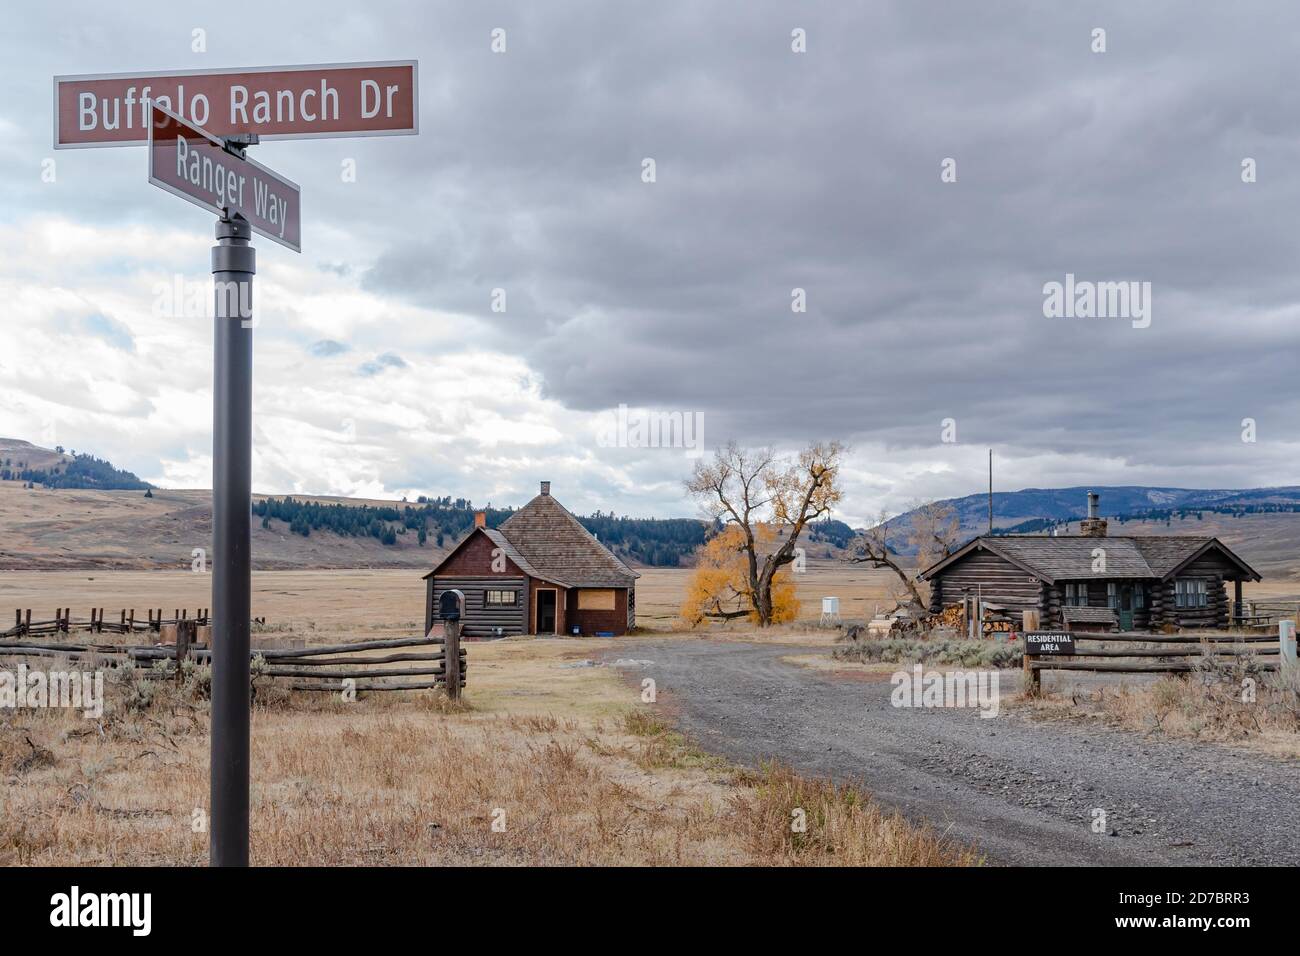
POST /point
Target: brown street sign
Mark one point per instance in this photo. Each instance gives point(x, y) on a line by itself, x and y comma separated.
point(278, 102)
point(192, 163)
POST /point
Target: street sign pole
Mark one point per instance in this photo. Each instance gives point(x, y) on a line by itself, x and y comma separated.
point(234, 263)
point(207, 167)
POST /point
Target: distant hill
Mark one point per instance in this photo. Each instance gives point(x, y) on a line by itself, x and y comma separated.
point(82, 512)
point(64, 510)
point(24, 462)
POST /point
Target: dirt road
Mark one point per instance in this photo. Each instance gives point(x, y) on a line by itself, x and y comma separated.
point(1023, 791)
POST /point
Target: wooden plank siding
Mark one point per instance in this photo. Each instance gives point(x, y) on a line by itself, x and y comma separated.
point(479, 618)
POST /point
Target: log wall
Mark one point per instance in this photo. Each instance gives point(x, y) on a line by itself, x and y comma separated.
point(998, 580)
point(478, 618)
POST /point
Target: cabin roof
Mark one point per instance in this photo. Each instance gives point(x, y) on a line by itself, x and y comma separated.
point(552, 541)
point(548, 543)
point(1070, 557)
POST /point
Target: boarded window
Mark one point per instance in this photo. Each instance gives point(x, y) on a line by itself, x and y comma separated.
point(596, 599)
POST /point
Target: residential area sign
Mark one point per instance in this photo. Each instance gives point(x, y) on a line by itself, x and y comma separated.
point(1049, 642)
point(193, 164)
point(278, 102)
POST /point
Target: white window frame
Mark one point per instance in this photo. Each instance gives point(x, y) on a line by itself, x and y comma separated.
point(1190, 592)
point(502, 594)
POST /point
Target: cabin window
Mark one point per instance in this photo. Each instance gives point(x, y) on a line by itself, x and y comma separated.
point(1139, 596)
point(1112, 595)
point(1076, 594)
point(596, 599)
point(1189, 592)
point(501, 598)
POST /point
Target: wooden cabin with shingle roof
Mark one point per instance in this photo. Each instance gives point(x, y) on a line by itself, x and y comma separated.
point(1092, 580)
point(541, 572)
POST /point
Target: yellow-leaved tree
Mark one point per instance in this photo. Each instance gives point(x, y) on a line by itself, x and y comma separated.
point(719, 587)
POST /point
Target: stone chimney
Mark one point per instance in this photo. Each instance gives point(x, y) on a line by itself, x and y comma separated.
point(546, 487)
point(480, 519)
point(1092, 526)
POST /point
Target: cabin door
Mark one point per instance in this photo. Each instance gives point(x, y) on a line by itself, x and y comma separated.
point(1126, 607)
point(546, 611)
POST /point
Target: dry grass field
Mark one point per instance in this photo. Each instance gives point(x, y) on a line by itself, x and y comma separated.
point(551, 761)
point(364, 601)
point(559, 750)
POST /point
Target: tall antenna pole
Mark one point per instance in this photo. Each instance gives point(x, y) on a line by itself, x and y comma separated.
point(990, 491)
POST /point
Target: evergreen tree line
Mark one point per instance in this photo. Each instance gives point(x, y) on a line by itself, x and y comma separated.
point(831, 531)
point(83, 471)
point(659, 542)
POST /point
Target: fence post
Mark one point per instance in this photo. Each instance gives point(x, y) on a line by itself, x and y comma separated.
point(451, 659)
point(1032, 678)
point(1286, 637)
point(184, 636)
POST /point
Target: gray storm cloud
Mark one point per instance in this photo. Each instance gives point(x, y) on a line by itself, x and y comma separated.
point(818, 171)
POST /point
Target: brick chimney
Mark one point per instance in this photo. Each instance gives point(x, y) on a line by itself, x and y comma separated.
point(546, 487)
point(480, 519)
point(1092, 526)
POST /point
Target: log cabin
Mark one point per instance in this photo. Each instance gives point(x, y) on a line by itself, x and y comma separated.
point(1093, 581)
point(541, 572)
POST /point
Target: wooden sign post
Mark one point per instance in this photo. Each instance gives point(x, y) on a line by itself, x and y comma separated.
point(451, 659)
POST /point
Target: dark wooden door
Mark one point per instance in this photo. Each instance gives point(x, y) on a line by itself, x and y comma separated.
point(1126, 607)
point(545, 612)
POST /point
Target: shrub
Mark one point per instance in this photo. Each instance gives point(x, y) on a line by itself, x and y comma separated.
point(961, 653)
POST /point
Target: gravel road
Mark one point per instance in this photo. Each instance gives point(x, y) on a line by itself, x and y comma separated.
point(1021, 790)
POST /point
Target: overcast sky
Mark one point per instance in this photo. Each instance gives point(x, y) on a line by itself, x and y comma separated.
point(382, 370)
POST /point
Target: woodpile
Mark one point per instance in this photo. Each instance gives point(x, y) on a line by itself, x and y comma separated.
point(953, 617)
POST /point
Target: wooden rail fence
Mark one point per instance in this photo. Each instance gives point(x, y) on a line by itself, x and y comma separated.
point(334, 668)
point(1171, 653)
point(64, 623)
